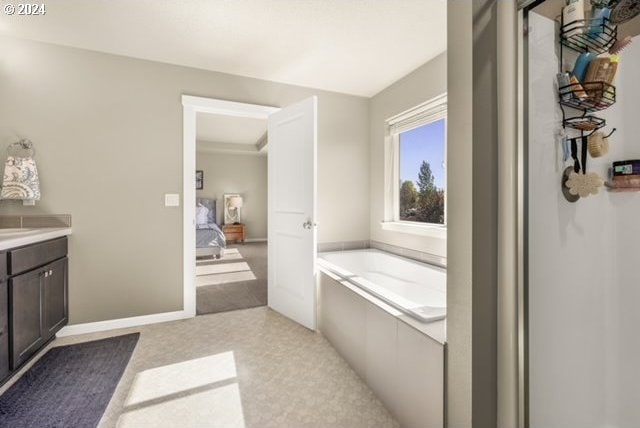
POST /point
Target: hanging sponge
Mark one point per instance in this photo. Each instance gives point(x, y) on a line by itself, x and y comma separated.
point(584, 184)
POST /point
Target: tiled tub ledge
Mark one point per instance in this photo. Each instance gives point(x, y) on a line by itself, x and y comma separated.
point(419, 256)
point(324, 247)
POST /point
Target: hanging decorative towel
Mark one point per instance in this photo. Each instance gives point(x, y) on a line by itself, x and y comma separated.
point(21, 175)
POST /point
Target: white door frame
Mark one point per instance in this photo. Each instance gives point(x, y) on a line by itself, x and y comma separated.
point(191, 106)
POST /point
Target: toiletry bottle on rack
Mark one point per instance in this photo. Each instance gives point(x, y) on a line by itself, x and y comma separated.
point(615, 60)
point(599, 17)
point(582, 65)
point(599, 70)
point(564, 80)
point(573, 17)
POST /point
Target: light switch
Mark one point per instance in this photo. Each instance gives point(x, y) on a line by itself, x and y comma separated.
point(171, 200)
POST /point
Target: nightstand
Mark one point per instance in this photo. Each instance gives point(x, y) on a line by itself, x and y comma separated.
point(235, 232)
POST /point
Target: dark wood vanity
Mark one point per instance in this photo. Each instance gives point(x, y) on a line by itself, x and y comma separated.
point(33, 300)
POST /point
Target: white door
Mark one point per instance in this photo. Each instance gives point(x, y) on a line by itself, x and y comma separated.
point(292, 212)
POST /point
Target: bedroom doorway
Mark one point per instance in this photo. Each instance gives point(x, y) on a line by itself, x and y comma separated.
point(292, 196)
point(192, 107)
point(231, 212)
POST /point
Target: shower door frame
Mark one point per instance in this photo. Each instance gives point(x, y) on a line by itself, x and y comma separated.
point(524, 7)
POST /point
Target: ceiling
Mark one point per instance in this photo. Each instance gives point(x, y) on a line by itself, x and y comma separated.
point(230, 134)
point(358, 46)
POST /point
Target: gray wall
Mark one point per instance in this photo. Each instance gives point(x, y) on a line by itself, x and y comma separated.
point(243, 174)
point(428, 81)
point(459, 214)
point(108, 133)
point(472, 179)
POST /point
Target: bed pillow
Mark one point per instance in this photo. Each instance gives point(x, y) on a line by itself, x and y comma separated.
point(210, 205)
point(202, 215)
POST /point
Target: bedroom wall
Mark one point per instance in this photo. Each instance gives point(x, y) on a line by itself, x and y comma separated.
point(243, 174)
point(428, 81)
point(108, 134)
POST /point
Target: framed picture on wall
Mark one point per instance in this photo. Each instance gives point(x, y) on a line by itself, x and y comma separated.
point(199, 180)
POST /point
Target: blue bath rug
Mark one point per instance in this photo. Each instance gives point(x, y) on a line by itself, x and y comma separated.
point(70, 386)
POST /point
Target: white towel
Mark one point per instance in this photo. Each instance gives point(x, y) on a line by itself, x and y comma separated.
point(20, 179)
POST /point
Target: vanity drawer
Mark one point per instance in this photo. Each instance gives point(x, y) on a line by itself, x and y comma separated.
point(34, 255)
point(3, 265)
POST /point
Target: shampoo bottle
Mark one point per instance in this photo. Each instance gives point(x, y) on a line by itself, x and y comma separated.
point(573, 17)
point(599, 17)
point(582, 65)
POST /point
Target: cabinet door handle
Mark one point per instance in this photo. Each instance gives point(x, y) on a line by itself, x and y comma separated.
point(46, 274)
point(50, 272)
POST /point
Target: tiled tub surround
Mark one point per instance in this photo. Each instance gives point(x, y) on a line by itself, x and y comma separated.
point(420, 256)
point(401, 359)
point(324, 247)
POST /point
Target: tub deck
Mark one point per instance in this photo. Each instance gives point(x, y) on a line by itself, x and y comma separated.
point(416, 289)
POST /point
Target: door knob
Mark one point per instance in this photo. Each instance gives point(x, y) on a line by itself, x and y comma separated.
point(308, 224)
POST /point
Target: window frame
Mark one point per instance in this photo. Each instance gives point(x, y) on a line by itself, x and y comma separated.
point(421, 115)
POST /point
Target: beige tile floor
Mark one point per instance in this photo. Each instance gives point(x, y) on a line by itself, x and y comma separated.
point(247, 368)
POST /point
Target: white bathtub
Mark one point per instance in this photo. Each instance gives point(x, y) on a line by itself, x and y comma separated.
point(416, 289)
point(369, 310)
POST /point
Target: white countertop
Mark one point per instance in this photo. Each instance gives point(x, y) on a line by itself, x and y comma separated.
point(12, 238)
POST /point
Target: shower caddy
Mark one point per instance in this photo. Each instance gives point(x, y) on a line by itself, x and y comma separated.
point(586, 97)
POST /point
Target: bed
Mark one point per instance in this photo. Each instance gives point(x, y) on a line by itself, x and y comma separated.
point(210, 240)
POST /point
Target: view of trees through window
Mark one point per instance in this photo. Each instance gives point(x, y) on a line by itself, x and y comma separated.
point(422, 173)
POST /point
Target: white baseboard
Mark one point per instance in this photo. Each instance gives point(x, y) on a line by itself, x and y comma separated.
point(93, 327)
point(255, 240)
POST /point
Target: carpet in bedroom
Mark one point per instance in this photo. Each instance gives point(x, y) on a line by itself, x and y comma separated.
point(236, 281)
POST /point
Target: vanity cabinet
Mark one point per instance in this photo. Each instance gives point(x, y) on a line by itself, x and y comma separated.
point(26, 316)
point(4, 328)
point(56, 313)
point(37, 298)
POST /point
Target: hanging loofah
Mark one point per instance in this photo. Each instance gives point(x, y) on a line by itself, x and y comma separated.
point(598, 145)
point(584, 184)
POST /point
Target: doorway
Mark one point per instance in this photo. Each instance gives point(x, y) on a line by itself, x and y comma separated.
point(191, 107)
point(291, 201)
point(231, 213)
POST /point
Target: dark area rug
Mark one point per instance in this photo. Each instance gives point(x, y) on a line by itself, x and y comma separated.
point(69, 387)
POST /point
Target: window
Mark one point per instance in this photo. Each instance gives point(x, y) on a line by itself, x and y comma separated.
point(416, 168)
point(422, 173)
